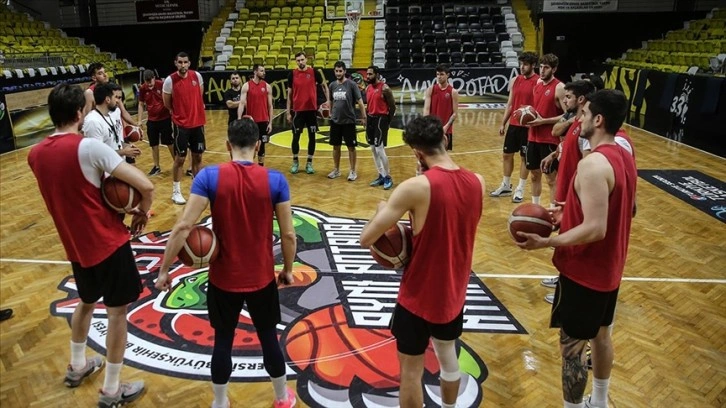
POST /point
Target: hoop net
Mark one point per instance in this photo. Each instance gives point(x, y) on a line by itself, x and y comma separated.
point(353, 18)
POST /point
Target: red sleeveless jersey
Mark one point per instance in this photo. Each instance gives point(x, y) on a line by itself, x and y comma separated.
point(186, 100)
point(434, 282)
point(442, 104)
point(522, 93)
point(257, 105)
point(304, 90)
point(544, 104)
point(599, 265)
point(242, 220)
point(377, 104)
point(569, 158)
point(152, 97)
point(89, 230)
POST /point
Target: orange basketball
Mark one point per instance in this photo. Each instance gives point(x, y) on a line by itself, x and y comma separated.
point(119, 195)
point(393, 248)
point(324, 111)
point(531, 218)
point(248, 117)
point(200, 248)
point(132, 134)
point(524, 115)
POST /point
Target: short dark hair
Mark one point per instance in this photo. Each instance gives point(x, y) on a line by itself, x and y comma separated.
point(64, 103)
point(181, 54)
point(612, 105)
point(95, 67)
point(596, 81)
point(528, 57)
point(149, 74)
point(339, 64)
point(256, 67)
point(376, 70)
point(301, 53)
point(580, 88)
point(103, 91)
point(425, 133)
point(235, 73)
point(243, 133)
point(550, 59)
point(443, 68)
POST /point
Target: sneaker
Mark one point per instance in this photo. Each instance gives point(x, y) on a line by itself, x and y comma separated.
point(74, 378)
point(589, 404)
point(550, 298)
point(549, 282)
point(387, 183)
point(352, 176)
point(501, 191)
point(127, 392)
point(178, 198)
point(189, 173)
point(154, 171)
point(518, 196)
point(377, 182)
point(334, 174)
point(289, 403)
point(309, 168)
point(215, 405)
point(295, 166)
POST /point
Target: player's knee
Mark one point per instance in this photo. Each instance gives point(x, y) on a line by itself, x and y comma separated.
point(446, 354)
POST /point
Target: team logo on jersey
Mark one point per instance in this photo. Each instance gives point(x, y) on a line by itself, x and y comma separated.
point(194, 83)
point(340, 298)
point(547, 92)
point(322, 137)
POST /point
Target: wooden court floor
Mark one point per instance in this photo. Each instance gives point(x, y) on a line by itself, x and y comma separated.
point(670, 329)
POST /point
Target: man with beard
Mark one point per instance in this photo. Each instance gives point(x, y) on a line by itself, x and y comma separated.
point(591, 249)
point(183, 92)
point(158, 124)
point(232, 96)
point(345, 95)
point(99, 77)
point(103, 122)
point(520, 94)
point(256, 101)
point(442, 100)
point(380, 110)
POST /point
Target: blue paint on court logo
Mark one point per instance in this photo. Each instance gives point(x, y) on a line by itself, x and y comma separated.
point(700, 190)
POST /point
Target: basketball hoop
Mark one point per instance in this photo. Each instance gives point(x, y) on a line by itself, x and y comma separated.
point(353, 17)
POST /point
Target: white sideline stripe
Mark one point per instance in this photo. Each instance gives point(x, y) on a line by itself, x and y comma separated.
point(480, 275)
point(408, 156)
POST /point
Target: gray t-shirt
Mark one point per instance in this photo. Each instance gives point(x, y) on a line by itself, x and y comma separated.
point(344, 96)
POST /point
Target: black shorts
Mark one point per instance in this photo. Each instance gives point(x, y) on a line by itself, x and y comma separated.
point(581, 311)
point(192, 138)
point(159, 130)
point(516, 140)
point(413, 333)
point(536, 152)
point(263, 306)
point(377, 130)
point(345, 131)
point(262, 126)
point(449, 141)
point(304, 119)
point(116, 279)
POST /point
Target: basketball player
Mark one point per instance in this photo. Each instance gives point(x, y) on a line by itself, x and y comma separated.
point(520, 94)
point(302, 105)
point(232, 96)
point(158, 123)
point(442, 100)
point(345, 95)
point(591, 249)
point(380, 109)
point(243, 199)
point(69, 169)
point(256, 100)
point(99, 76)
point(444, 205)
point(183, 92)
point(548, 93)
point(103, 123)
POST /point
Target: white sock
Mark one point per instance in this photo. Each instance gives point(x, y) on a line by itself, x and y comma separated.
point(599, 396)
point(176, 186)
point(376, 160)
point(220, 395)
point(573, 405)
point(78, 355)
point(506, 181)
point(113, 374)
point(279, 384)
point(522, 183)
point(535, 199)
point(445, 405)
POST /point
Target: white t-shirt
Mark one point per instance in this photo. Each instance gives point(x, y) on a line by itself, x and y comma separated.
point(619, 140)
point(96, 158)
point(106, 129)
point(168, 85)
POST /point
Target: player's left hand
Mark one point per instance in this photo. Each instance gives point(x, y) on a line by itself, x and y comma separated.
point(446, 128)
point(285, 277)
point(162, 281)
point(536, 122)
point(533, 241)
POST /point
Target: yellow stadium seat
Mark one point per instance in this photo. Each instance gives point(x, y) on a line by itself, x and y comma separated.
point(264, 49)
point(254, 41)
point(310, 49)
point(282, 60)
point(250, 50)
point(286, 50)
point(266, 41)
point(270, 60)
point(258, 59)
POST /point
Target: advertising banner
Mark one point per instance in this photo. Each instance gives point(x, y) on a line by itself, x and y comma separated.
point(166, 10)
point(576, 6)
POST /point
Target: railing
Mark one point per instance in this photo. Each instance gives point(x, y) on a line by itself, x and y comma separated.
point(31, 60)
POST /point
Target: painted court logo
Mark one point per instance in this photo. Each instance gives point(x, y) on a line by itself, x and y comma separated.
point(334, 329)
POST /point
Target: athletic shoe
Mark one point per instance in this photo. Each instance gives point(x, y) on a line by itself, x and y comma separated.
point(189, 173)
point(334, 174)
point(501, 191)
point(154, 171)
point(178, 198)
point(127, 392)
point(550, 298)
point(377, 182)
point(589, 404)
point(5, 314)
point(74, 378)
point(215, 405)
point(387, 183)
point(289, 403)
point(309, 168)
point(295, 166)
point(549, 282)
point(352, 176)
point(518, 196)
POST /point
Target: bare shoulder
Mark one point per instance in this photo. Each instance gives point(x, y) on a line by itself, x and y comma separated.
point(594, 163)
point(454, 91)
